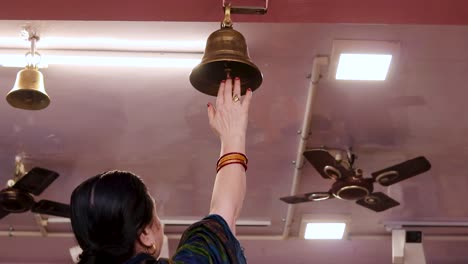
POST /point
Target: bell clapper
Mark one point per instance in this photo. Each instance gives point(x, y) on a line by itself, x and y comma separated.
point(228, 73)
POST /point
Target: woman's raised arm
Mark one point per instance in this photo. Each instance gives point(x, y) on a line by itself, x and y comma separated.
point(229, 118)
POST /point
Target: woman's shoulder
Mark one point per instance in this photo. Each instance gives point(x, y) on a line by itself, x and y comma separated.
point(209, 239)
point(212, 222)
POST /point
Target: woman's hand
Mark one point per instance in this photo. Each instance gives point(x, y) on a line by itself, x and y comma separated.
point(229, 117)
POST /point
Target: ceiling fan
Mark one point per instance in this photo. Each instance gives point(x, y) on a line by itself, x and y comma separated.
point(17, 197)
point(349, 183)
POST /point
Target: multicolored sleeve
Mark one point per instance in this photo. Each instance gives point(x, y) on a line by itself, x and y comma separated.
point(209, 241)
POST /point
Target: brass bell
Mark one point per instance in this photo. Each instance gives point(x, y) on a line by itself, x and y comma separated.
point(28, 92)
point(226, 55)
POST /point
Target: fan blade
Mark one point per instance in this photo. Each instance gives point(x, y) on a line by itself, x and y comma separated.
point(51, 208)
point(36, 180)
point(402, 171)
point(307, 197)
point(3, 212)
point(378, 202)
point(323, 162)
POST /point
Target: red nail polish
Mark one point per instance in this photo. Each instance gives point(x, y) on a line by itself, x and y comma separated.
point(249, 89)
point(237, 78)
point(223, 81)
point(208, 105)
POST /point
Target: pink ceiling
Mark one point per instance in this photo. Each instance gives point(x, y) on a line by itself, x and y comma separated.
point(454, 12)
point(151, 121)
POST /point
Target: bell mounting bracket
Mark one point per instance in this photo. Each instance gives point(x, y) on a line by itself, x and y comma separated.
point(29, 33)
point(246, 10)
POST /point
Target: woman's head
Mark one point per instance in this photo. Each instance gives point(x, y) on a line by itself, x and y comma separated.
point(113, 218)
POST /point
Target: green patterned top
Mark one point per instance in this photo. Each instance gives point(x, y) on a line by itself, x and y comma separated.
point(209, 241)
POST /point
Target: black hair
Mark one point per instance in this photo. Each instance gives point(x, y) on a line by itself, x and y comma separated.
point(108, 213)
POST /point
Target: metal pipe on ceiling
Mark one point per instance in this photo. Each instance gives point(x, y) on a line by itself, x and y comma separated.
point(314, 80)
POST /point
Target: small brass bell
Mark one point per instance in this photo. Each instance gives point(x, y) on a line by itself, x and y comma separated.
point(226, 55)
point(28, 92)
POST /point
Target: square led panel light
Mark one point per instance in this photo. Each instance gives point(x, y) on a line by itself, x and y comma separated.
point(358, 60)
point(366, 67)
point(324, 230)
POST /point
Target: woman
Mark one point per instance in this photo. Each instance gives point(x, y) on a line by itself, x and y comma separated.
point(115, 219)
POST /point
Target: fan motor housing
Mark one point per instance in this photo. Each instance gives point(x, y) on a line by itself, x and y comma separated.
point(15, 201)
point(352, 188)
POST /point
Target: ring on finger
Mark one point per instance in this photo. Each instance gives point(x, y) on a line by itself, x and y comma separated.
point(235, 98)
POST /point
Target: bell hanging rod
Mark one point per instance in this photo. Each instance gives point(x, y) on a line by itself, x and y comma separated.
point(246, 10)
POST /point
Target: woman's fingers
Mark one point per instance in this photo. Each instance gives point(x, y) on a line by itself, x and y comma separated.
point(211, 112)
point(229, 117)
point(237, 87)
point(247, 100)
point(228, 91)
point(220, 97)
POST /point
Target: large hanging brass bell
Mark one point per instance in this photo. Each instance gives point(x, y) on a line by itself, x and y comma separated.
point(28, 92)
point(226, 55)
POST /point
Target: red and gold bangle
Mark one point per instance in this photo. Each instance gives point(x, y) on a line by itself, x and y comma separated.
point(229, 162)
point(231, 156)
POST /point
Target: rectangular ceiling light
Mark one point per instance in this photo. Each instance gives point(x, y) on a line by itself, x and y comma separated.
point(366, 67)
point(104, 59)
point(324, 226)
point(359, 60)
point(103, 43)
point(324, 230)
